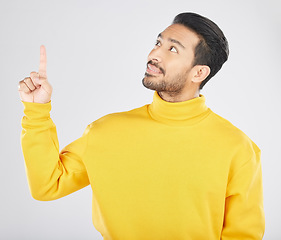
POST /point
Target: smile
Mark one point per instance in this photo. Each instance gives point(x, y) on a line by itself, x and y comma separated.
point(151, 69)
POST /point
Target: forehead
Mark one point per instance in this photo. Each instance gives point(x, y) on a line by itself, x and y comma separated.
point(182, 34)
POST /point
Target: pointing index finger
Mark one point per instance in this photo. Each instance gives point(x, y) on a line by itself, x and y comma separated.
point(43, 61)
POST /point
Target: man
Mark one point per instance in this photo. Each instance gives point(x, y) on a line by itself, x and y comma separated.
point(172, 169)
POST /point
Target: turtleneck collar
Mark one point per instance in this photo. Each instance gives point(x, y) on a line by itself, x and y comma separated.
point(187, 112)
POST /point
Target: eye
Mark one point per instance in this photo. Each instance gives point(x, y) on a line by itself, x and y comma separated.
point(173, 49)
point(157, 43)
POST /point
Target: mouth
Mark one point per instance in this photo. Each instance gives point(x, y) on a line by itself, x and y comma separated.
point(153, 70)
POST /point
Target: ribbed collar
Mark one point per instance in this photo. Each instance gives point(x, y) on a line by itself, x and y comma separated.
point(187, 112)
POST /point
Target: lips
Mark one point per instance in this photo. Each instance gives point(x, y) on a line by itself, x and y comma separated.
point(152, 69)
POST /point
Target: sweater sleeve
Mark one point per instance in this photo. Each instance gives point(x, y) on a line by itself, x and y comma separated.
point(51, 174)
point(244, 214)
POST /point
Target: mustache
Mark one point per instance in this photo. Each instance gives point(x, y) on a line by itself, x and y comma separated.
point(156, 65)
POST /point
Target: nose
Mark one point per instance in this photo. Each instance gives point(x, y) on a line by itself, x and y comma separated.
point(155, 55)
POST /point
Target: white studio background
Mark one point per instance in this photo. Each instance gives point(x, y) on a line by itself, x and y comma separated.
point(96, 53)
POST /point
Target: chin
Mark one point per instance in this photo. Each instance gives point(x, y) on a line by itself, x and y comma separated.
point(152, 85)
point(147, 83)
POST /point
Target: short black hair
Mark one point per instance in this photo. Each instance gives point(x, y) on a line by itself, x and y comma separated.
point(212, 49)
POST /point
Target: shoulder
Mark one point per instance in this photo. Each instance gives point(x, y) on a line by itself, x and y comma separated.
point(115, 119)
point(232, 134)
point(236, 146)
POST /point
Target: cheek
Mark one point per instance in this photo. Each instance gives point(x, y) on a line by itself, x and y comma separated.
point(176, 67)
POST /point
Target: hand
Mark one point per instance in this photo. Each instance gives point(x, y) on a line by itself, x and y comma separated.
point(36, 88)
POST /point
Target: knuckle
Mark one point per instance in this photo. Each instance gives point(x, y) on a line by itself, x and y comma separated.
point(23, 88)
point(20, 87)
point(33, 74)
point(27, 80)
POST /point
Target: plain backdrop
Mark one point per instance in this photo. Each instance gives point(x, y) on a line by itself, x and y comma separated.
point(96, 52)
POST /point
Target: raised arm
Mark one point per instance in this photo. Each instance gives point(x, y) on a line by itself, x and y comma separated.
point(51, 174)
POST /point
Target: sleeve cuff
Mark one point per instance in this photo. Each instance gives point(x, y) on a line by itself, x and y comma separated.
point(37, 110)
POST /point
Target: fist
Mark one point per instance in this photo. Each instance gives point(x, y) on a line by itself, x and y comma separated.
point(36, 87)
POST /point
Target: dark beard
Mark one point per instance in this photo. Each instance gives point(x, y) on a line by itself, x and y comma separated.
point(175, 86)
point(152, 85)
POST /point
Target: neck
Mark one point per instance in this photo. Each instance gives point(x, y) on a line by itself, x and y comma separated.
point(178, 97)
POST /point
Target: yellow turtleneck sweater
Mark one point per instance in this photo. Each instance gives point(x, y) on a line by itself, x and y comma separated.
point(165, 171)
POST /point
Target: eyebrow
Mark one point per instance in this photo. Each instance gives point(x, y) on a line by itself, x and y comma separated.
point(172, 40)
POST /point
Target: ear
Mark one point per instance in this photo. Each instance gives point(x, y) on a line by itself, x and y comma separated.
point(201, 72)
